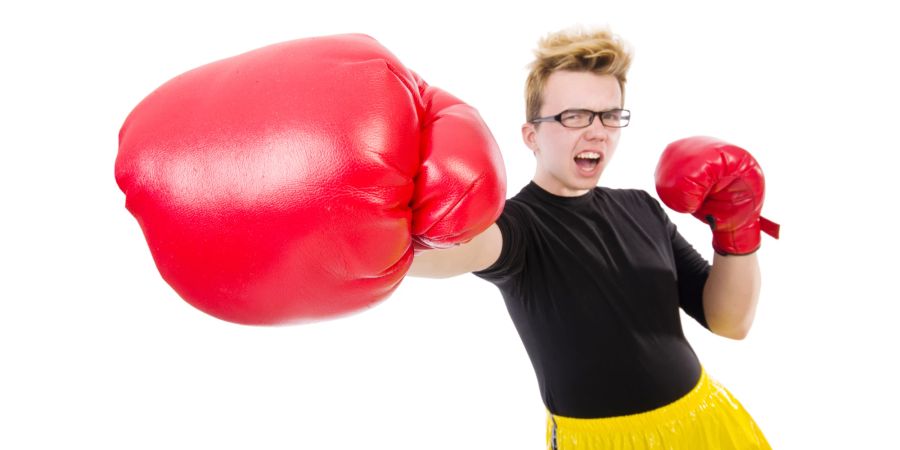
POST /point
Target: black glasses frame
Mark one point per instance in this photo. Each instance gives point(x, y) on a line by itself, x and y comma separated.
point(625, 114)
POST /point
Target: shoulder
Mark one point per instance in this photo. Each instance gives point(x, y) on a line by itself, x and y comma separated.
point(519, 207)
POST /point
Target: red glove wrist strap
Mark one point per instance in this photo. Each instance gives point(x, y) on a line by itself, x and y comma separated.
point(769, 227)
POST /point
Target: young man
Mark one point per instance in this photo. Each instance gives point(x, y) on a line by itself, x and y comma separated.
point(593, 277)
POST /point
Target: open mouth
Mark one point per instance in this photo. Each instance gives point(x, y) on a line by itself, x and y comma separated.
point(588, 160)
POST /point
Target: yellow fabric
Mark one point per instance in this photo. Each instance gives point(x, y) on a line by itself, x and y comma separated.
point(707, 417)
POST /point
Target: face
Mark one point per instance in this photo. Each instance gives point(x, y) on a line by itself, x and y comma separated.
point(556, 148)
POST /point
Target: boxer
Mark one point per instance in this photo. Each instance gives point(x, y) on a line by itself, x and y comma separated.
point(593, 277)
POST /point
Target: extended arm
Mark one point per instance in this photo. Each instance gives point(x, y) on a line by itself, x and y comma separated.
point(477, 254)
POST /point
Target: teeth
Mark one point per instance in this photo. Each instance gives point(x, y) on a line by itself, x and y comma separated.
point(588, 155)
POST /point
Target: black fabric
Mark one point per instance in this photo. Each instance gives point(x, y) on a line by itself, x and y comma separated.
point(593, 284)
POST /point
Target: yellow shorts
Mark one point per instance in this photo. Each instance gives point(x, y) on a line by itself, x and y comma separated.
point(707, 417)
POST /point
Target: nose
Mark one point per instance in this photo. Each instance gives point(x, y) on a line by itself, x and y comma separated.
point(596, 130)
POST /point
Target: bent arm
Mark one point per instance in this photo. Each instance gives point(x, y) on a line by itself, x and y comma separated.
point(731, 294)
point(477, 254)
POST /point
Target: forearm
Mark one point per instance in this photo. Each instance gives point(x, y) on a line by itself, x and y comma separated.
point(731, 293)
point(432, 264)
point(477, 254)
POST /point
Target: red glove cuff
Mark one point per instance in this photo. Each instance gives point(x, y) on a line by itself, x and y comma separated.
point(743, 241)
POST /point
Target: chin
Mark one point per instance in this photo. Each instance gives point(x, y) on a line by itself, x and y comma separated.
point(588, 183)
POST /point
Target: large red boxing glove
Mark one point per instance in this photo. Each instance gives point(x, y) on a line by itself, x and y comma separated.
point(293, 182)
point(720, 184)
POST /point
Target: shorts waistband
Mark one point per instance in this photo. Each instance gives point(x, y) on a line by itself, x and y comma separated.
point(685, 406)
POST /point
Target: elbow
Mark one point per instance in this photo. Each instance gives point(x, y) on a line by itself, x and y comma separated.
point(736, 332)
point(730, 317)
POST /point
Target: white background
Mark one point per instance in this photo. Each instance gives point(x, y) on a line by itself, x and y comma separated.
point(96, 351)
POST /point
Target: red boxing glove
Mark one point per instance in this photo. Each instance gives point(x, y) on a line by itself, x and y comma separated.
point(293, 182)
point(720, 184)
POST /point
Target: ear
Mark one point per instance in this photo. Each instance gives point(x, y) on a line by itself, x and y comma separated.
point(529, 136)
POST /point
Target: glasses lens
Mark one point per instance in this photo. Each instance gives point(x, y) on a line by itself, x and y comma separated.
point(576, 118)
point(616, 118)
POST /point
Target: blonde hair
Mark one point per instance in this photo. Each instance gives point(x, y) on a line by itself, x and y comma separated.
point(577, 49)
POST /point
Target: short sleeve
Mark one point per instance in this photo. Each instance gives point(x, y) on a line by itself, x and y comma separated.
point(512, 253)
point(692, 269)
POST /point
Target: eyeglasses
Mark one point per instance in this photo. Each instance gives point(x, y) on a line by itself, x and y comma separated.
point(580, 118)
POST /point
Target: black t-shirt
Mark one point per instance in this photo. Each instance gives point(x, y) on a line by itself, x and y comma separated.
point(593, 284)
